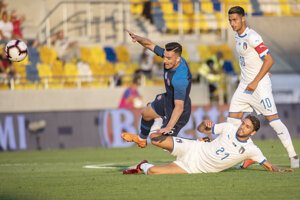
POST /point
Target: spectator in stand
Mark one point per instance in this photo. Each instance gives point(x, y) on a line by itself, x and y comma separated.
point(131, 97)
point(147, 11)
point(6, 29)
point(2, 8)
point(16, 21)
point(146, 64)
point(6, 66)
point(66, 50)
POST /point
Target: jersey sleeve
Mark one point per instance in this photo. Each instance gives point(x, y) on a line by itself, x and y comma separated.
point(257, 43)
point(257, 155)
point(180, 84)
point(159, 51)
point(127, 94)
point(221, 128)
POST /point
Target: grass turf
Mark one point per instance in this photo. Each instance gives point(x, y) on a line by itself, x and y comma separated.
point(59, 174)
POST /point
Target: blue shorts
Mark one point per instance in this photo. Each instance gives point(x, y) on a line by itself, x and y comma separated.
point(164, 109)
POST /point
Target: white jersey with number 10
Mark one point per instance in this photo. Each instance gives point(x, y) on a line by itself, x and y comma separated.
point(251, 50)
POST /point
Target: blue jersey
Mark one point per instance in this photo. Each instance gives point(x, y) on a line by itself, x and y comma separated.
point(177, 82)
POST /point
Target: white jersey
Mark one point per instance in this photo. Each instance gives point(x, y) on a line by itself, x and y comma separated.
point(220, 154)
point(251, 50)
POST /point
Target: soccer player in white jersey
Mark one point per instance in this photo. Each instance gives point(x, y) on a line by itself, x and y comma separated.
point(231, 147)
point(255, 89)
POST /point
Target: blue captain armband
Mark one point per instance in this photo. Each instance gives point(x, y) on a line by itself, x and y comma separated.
point(159, 51)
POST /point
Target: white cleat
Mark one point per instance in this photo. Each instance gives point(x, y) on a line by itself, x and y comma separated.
point(294, 162)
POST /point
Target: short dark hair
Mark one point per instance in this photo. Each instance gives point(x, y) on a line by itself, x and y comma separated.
point(255, 122)
point(174, 46)
point(237, 10)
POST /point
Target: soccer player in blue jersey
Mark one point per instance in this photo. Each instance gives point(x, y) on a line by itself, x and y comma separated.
point(170, 110)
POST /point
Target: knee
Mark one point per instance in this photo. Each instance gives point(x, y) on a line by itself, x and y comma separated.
point(151, 171)
point(146, 115)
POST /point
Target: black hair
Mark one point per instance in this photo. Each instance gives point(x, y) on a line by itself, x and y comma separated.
point(210, 62)
point(237, 10)
point(255, 122)
point(174, 46)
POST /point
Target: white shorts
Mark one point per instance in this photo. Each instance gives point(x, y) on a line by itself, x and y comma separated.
point(261, 100)
point(186, 152)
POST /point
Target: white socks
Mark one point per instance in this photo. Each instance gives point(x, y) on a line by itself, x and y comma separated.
point(235, 121)
point(145, 167)
point(156, 125)
point(284, 136)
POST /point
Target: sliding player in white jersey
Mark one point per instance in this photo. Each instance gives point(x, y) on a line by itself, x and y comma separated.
point(231, 147)
point(255, 89)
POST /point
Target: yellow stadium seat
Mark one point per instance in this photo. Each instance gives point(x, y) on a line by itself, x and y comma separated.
point(97, 55)
point(48, 54)
point(285, 7)
point(136, 7)
point(194, 67)
point(185, 54)
point(187, 8)
point(45, 72)
point(71, 72)
point(58, 73)
point(206, 6)
point(202, 23)
point(122, 54)
point(204, 52)
point(167, 7)
point(20, 69)
point(85, 53)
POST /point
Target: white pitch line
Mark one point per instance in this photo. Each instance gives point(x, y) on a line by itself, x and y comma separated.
point(104, 166)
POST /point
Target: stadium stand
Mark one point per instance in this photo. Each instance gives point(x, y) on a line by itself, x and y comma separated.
point(101, 62)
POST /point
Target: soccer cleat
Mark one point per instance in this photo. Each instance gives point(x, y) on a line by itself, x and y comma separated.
point(137, 170)
point(134, 138)
point(204, 139)
point(294, 162)
point(246, 163)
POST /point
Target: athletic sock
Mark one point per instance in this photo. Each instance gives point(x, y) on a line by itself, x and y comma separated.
point(145, 128)
point(284, 136)
point(156, 125)
point(145, 167)
point(235, 121)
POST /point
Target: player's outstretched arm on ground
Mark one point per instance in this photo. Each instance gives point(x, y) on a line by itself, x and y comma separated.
point(268, 166)
point(205, 126)
point(143, 41)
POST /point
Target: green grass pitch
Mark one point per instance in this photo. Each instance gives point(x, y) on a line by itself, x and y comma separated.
point(60, 174)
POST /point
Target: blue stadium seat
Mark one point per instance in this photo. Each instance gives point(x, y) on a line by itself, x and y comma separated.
point(34, 55)
point(111, 55)
point(32, 73)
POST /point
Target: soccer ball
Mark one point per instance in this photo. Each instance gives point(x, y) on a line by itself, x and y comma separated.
point(16, 50)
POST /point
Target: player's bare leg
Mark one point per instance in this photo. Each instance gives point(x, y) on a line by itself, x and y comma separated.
point(165, 142)
point(170, 168)
point(148, 116)
point(285, 138)
point(235, 118)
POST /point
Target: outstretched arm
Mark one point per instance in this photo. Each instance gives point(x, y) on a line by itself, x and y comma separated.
point(205, 126)
point(143, 41)
point(268, 166)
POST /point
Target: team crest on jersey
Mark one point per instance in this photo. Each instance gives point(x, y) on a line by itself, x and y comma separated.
point(245, 46)
point(178, 140)
point(242, 150)
point(168, 81)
